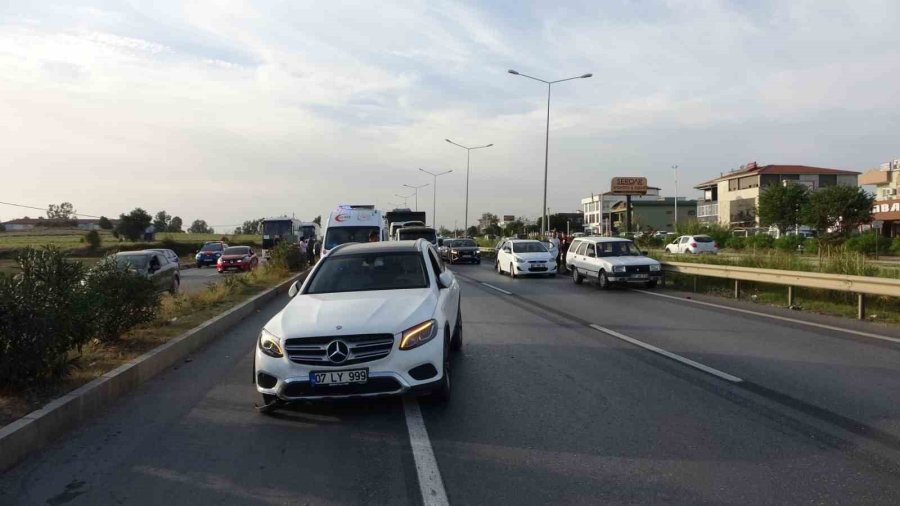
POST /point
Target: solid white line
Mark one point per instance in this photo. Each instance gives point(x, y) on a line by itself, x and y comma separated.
point(430, 483)
point(715, 372)
point(495, 288)
point(776, 317)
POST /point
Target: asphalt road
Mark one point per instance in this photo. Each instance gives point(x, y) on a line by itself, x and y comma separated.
point(194, 280)
point(546, 410)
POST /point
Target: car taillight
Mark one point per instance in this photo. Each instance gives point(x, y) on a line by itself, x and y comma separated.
point(693, 245)
point(219, 261)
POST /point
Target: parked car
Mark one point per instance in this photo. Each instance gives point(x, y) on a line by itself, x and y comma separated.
point(170, 256)
point(520, 257)
point(372, 319)
point(153, 266)
point(694, 244)
point(462, 250)
point(209, 253)
point(611, 260)
point(237, 258)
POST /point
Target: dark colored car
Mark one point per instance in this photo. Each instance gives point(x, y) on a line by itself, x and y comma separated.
point(237, 258)
point(210, 252)
point(169, 254)
point(461, 250)
point(152, 265)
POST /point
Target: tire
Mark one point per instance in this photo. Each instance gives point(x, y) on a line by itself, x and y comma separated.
point(477, 262)
point(499, 269)
point(576, 276)
point(199, 266)
point(603, 281)
point(456, 341)
point(512, 271)
point(441, 393)
point(650, 284)
point(176, 285)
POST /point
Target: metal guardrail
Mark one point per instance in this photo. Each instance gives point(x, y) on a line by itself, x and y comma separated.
point(860, 285)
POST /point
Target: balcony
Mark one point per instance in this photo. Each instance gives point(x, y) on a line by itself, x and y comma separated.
point(707, 210)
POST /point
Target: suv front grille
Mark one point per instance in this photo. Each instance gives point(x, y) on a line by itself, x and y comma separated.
point(363, 348)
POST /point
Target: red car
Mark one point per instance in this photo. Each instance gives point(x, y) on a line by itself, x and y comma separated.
point(239, 258)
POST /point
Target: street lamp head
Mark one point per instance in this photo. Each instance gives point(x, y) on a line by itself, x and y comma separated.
point(513, 72)
point(448, 140)
point(489, 145)
point(586, 76)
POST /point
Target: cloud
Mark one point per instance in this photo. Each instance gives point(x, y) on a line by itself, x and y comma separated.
point(240, 109)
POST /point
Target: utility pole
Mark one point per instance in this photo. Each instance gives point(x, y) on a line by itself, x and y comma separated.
point(675, 171)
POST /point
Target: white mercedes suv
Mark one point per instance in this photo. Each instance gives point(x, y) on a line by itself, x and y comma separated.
point(371, 319)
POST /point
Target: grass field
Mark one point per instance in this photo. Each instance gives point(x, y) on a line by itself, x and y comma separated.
point(70, 239)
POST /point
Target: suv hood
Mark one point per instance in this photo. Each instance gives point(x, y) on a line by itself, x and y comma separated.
point(375, 312)
point(630, 260)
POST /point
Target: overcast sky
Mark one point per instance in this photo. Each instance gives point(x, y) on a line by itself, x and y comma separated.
point(228, 111)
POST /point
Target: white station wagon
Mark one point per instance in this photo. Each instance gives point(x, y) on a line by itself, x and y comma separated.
point(611, 260)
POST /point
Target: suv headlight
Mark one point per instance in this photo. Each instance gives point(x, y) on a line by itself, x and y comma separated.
point(418, 335)
point(654, 267)
point(268, 344)
point(618, 268)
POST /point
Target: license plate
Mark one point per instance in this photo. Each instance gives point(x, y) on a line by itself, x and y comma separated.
point(640, 276)
point(339, 377)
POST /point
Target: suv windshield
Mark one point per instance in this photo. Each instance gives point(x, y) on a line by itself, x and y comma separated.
point(213, 246)
point(529, 247)
point(335, 236)
point(462, 243)
point(237, 250)
point(617, 249)
point(372, 271)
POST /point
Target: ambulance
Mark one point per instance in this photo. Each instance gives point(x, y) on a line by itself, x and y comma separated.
point(353, 223)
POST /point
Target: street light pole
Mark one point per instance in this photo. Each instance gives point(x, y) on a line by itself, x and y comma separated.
point(416, 192)
point(468, 153)
point(675, 171)
point(544, 227)
point(434, 195)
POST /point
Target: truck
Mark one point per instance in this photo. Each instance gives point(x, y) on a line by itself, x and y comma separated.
point(399, 218)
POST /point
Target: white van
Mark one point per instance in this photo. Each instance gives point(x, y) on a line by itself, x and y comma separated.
point(353, 223)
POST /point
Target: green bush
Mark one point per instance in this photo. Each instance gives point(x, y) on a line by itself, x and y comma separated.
point(895, 246)
point(119, 300)
point(42, 313)
point(789, 242)
point(288, 256)
point(865, 243)
point(93, 240)
point(811, 245)
point(648, 242)
point(760, 241)
point(736, 243)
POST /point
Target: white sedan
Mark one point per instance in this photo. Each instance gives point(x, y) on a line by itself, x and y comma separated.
point(693, 244)
point(371, 319)
point(525, 257)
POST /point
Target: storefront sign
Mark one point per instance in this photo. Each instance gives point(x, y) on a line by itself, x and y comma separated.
point(628, 186)
point(886, 210)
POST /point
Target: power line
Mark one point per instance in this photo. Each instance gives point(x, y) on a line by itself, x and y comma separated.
point(44, 209)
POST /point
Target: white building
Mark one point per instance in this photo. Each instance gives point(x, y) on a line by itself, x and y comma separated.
point(591, 206)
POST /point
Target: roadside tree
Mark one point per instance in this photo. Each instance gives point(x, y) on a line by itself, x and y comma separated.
point(782, 206)
point(62, 212)
point(105, 224)
point(161, 221)
point(132, 225)
point(200, 227)
point(839, 208)
point(175, 224)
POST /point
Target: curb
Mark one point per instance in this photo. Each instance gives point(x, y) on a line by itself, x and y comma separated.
point(41, 427)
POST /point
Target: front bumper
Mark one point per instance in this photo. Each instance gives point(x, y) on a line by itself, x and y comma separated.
point(458, 257)
point(233, 267)
point(537, 269)
point(387, 376)
point(628, 277)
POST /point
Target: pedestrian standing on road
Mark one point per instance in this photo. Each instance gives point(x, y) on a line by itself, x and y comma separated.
point(561, 258)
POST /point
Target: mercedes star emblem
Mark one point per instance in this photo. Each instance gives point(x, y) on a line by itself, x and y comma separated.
point(337, 351)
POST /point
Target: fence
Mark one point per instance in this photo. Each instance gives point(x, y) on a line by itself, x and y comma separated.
point(860, 285)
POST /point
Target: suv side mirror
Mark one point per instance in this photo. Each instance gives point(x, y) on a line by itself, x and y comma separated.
point(445, 279)
point(294, 289)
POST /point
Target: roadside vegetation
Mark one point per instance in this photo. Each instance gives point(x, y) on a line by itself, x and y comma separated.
point(63, 325)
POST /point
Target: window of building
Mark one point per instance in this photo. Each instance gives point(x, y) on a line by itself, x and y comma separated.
point(827, 180)
point(748, 182)
point(691, 212)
